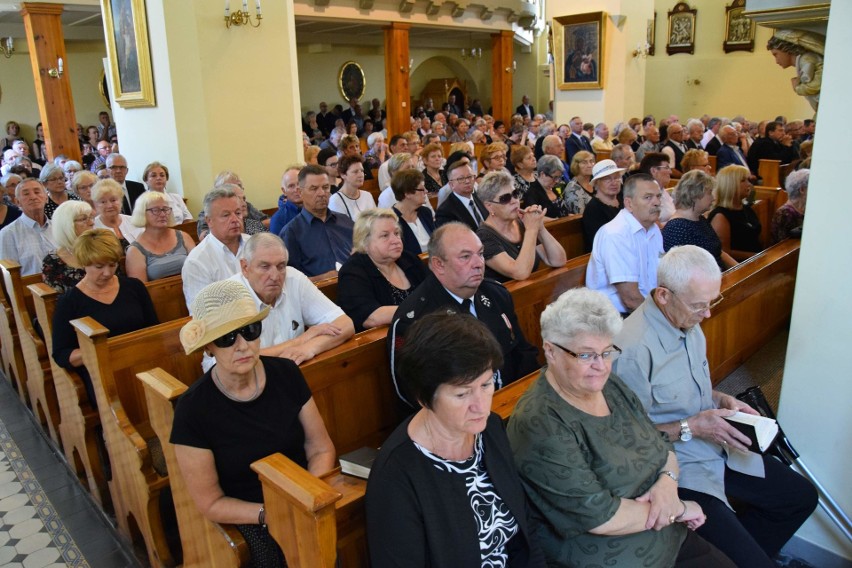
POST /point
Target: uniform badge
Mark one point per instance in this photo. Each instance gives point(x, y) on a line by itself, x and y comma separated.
point(485, 301)
point(410, 315)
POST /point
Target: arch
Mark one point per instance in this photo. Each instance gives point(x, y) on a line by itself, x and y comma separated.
point(440, 66)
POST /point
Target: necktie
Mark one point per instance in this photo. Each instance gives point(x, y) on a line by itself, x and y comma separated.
point(586, 144)
point(465, 306)
point(473, 211)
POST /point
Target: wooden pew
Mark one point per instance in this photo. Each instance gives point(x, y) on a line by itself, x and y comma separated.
point(14, 366)
point(205, 544)
point(712, 161)
point(190, 228)
point(569, 232)
point(770, 172)
point(42, 393)
point(602, 155)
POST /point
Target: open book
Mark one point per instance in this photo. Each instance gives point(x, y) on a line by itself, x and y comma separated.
point(760, 430)
point(359, 462)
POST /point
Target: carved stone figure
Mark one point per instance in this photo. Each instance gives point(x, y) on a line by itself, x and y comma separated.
point(805, 50)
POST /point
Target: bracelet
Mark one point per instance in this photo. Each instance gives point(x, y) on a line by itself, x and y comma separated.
point(679, 518)
point(261, 516)
point(669, 474)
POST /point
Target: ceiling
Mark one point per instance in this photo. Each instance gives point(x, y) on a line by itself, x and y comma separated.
point(310, 31)
point(78, 22)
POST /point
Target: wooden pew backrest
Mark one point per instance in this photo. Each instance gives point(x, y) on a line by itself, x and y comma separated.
point(14, 366)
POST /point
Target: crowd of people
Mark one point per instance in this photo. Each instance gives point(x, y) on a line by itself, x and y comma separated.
point(451, 486)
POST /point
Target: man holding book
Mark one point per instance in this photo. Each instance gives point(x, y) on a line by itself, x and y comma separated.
point(664, 361)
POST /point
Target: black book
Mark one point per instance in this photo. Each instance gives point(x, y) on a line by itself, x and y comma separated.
point(760, 430)
point(359, 462)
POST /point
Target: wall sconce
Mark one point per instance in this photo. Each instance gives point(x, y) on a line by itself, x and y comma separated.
point(642, 50)
point(56, 72)
point(513, 68)
point(402, 69)
point(7, 47)
point(242, 17)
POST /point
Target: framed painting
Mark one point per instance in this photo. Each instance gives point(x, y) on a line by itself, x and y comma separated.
point(651, 34)
point(739, 29)
point(580, 44)
point(351, 81)
point(681, 35)
point(126, 31)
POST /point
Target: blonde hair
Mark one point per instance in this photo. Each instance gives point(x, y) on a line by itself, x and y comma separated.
point(728, 184)
point(579, 157)
point(364, 226)
point(97, 245)
point(106, 187)
point(143, 202)
point(62, 223)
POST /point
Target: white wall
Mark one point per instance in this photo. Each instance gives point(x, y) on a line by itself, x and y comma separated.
point(817, 389)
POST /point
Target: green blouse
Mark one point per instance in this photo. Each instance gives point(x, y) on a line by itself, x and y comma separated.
point(576, 467)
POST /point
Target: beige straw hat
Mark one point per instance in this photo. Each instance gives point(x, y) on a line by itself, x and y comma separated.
point(217, 310)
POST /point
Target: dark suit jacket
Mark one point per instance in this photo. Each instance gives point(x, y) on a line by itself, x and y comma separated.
point(713, 146)
point(727, 156)
point(692, 145)
point(134, 190)
point(574, 144)
point(768, 149)
point(452, 209)
point(522, 111)
point(409, 239)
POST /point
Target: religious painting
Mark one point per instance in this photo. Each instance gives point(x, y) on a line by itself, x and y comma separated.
point(351, 81)
point(126, 31)
point(580, 44)
point(681, 35)
point(651, 34)
point(739, 28)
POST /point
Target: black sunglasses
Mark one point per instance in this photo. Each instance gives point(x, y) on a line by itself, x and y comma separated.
point(508, 197)
point(249, 333)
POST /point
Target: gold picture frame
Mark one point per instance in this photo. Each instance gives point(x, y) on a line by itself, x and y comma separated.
point(351, 81)
point(579, 48)
point(739, 28)
point(126, 32)
point(681, 33)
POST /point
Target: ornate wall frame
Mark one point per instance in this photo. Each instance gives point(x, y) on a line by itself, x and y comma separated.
point(681, 33)
point(351, 81)
point(739, 29)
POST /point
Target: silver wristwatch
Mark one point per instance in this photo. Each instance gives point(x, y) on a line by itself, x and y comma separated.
point(685, 432)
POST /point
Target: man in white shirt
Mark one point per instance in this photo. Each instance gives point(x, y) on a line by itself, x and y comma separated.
point(302, 321)
point(28, 239)
point(627, 250)
point(217, 255)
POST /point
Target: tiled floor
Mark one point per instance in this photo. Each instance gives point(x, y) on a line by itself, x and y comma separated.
point(46, 518)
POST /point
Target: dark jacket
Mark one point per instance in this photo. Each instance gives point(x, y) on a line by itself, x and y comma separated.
point(409, 239)
point(452, 209)
point(134, 190)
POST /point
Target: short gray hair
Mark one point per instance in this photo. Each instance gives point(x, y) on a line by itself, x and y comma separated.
point(62, 223)
point(49, 170)
point(691, 187)
point(106, 186)
point(112, 157)
point(218, 192)
point(579, 311)
point(227, 177)
point(797, 182)
point(396, 162)
point(681, 264)
point(492, 183)
point(262, 240)
point(694, 122)
point(435, 248)
point(549, 164)
point(71, 164)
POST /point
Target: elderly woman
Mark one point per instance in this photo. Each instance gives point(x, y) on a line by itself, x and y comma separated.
point(601, 479)
point(60, 269)
point(156, 176)
point(545, 191)
point(695, 159)
point(604, 206)
point(790, 216)
point(377, 151)
point(398, 162)
point(9, 212)
point(515, 240)
point(579, 190)
point(693, 197)
point(443, 490)
point(70, 168)
point(118, 303)
point(107, 195)
point(245, 408)
point(82, 184)
point(627, 136)
point(380, 274)
point(416, 219)
point(159, 250)
point(53, 178)
point(736, 223)
point(524, 162)
point(433, 167)
point(492, 158)
point(350, 200)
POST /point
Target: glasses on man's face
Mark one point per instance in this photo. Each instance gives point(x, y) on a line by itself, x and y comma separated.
point(118, 168)
point(588, 357)
point(698, 310)
point(507, 198)
point(464, 179)
point(249, 333)
point(159, 210)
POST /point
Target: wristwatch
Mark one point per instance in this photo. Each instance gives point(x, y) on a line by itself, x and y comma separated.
point(685, 432)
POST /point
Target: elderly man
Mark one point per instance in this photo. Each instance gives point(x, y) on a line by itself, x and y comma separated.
point(695, 132)
point(333, 139)
point(656, 165)
point(623, 156)
point(729, 153)
point(674, 148)
point(302, 321)
point(626, 250)
point(117, 166)
point(576, 141)
point(552, 146)
point(22, 149)
point(457, 283)
point(601, 141)
point(712, 132)
point(216, 257)
point(651, 143)
point(104, 149)
point(290, 202)
point(664, 362)
point(398, 143)
point(28, 239)
point(462, 205)
point(319, 240)
point(776, 145)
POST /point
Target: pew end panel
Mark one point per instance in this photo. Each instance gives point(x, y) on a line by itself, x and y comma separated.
point(205, 544)
point(42, 393)
point(167, 297)
point(770, 172)
point(78, 420)
point(14, 366)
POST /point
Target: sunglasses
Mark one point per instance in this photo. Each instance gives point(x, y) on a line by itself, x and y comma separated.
point(507, 198)
point(249, 333)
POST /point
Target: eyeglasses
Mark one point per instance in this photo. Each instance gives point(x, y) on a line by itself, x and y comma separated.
point(159, 210)
point(464, 179)
point(84, 219)
point(666, 167)
point(249, 333)
point(589, 357)
point(507, 198)
point(331, 164)
point(702, 309)
point(118, 167)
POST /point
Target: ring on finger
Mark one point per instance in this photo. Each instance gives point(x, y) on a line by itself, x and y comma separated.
point(671, 519)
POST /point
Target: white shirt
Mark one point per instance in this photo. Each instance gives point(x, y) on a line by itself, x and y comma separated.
point(384, 176)
point(300, 305)
point(420, 232)
point(352, 208)
point(624, 251)
point(387, 200)
point(708, 136)
point(209, 262)
point(27, 243)
point(130, 231)
point(179, 208)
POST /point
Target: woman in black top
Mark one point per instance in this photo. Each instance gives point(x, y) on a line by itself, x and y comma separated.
point(735, 222)
point(604, 206)
point(415, 218)
point(380, 274)
point(434, 175)
point(546, 191)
